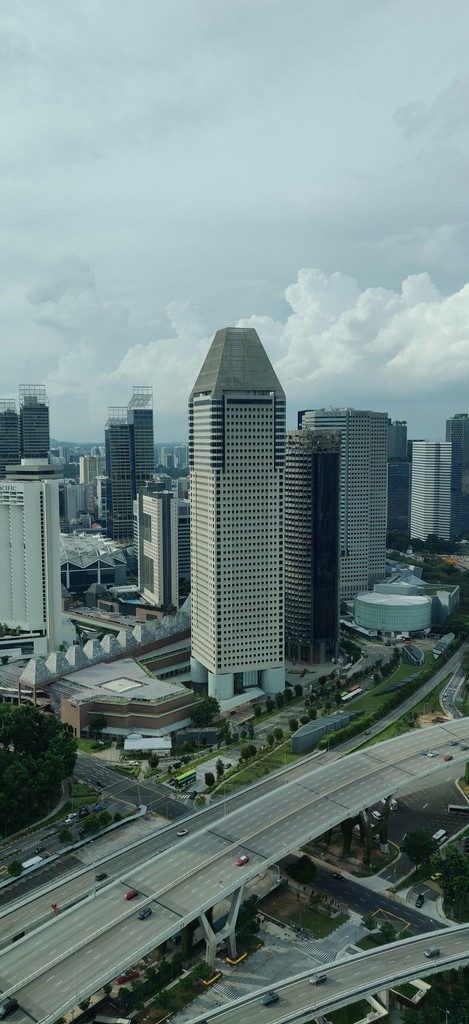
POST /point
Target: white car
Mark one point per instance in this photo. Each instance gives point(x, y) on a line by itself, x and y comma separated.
point(183, 832)
point(432, 753)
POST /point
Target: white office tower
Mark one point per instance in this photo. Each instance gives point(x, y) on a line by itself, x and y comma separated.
point(236, 459)
point(30, 594)
point(363, 492)
point(158, 547)
point(430, 507)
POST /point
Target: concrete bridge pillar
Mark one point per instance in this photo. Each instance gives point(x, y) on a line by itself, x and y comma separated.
point(228, 932)
point(383, 997)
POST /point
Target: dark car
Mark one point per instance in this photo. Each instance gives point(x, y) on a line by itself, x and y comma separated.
point(193, 794)
point(143, 913)
point(131, 894)
point(420, 900)
point(337, 874)
point(98, 807)
point(432, 951)
point(318, 979)
point(101, 876)
point(269, 998)
point(83, 812)
point(39, 849)
point(8, 1006)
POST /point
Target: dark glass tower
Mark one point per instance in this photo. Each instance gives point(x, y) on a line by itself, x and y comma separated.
point(34, 422)
point(9, 436)
point(129, 460)
point(312, 473)
point(457, 431)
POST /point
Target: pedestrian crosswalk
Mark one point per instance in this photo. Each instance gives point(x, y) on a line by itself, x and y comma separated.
point(227, 991)
point(312, 948)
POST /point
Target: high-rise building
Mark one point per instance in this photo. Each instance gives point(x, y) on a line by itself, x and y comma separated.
point(363, 492)
point(397, 439)
point(430, 510)
point(30, 595)
point(184, 546)
point(129, 460)
point(236, 458)
point(399, 483)
point(312, 470)
point(181, 452)
point(158, 547)
point(91, 466)
point(9, 435)
point(457, 432)
point(34, 422)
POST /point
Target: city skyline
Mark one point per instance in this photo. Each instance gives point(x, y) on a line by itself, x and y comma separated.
point(198, 175)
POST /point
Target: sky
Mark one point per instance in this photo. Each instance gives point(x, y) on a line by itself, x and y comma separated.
point(170, 168)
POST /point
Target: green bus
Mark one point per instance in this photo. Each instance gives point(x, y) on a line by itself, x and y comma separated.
point(185, 779)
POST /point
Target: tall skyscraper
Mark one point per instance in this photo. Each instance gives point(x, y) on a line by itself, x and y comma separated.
point(91, 466)
point(397, 439)
point(30, 595)
point(312, 469)
point(431, 489)
point(399, 483)
point(34, 422)
point(129, 459)
point(457, 432)
point(158, 574)
point(236, 458)
point(9, 435)
point(363, 492)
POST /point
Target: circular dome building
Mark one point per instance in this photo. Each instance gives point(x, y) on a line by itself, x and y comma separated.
point(393, 613)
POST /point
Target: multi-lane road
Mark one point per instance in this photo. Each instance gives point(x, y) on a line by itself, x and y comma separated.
point(348, 980)
point(66, 958)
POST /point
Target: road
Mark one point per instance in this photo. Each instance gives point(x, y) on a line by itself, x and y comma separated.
point(99, 935)
point(348, 981)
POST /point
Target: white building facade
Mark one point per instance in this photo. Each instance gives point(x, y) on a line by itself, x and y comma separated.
point(158, 548)
point(30, 595)
point(363, 492)
point(236, 457)
point(430, 507)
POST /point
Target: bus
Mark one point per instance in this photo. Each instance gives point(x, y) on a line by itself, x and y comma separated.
point(348, 696)
point(32, 863)
point(185, 779)
point(440, 835)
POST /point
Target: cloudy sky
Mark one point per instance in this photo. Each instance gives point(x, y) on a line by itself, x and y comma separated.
point(169, 167)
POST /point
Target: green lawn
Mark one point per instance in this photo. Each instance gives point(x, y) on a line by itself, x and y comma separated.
point(318, 924)
point(350, 1014)
point(269, 762)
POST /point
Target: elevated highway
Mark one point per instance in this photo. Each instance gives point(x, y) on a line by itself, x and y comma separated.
point(61, 961)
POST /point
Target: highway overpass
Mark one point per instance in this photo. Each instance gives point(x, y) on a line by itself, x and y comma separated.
point(63, 960)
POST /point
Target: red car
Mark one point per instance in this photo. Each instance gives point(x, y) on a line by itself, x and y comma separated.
point(242, 860)
point(130, 976)
point(448, 757)
point(131, 894)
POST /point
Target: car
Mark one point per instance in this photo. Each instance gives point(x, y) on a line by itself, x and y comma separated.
point(131, 894)
point(98, 807)
point(83, 812)
point(143, 913)
point(269, 998)
point(436, 876)
point(69, 820)
point(101, 876)
point(432, 753)
point(420, 900)
point(39, 849)
point(448, 757)
point(424, 752)
point(463, 746)
point(453, 743)
point(183, 832)
point(8, 1006)
point(337, 874)
point(376, 815)
point(432, 951)
point(193, 794)
point(129, 976)
point(242, 860)
point(318, 979)
point(99, 783)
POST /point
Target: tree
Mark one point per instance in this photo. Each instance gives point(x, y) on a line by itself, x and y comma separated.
point(298, 690)
point(154, 760)
point(287, 694)
point(205, 711)
point(270, 739)
point(96, 725)
point(209, 779)
point(257, 711)
point(269, 705)
point(293, 724)
point(419, 846)
point(15, 868)
point(278, 733)
point(279, 700)
point(219, 768)
point(387, 931)
point(369, 922)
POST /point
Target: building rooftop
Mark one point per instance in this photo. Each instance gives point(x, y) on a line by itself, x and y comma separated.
point(236, 361)
point(124, 680)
